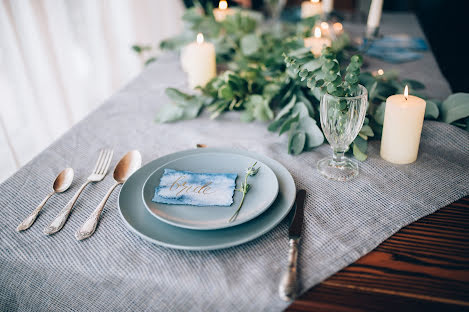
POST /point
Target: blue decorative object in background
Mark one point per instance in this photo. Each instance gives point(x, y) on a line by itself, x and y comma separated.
point(196, 189)
point(396, 48)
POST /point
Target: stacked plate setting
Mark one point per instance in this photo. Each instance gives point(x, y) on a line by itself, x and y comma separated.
point(187, 227)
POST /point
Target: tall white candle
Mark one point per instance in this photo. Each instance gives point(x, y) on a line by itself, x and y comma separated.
point(327, 6)
point(198, 61)
point(403, 120)
point(374, 16)
point(311, 8)
point(222, 11)
point(317, 42)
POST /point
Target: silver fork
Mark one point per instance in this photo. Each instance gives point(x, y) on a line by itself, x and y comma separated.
point(99, 172)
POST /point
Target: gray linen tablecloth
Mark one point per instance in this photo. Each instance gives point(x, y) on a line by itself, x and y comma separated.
point(117, 270)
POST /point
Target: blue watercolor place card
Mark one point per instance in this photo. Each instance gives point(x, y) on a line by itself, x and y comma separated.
point(196, 189)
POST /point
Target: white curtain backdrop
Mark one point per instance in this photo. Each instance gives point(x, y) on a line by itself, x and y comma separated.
point(59, 59)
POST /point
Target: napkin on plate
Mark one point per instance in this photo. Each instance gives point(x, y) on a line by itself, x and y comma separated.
point(196, 189)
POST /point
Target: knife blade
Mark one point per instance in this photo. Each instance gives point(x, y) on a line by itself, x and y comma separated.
point(288, 287)
point(296, 225)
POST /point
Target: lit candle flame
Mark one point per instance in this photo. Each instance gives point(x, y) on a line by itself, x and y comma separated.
point(380, 72)
point(200, 38)
point(223, 5)
point(338, 27)
point(315, 1)
point(317, 32)
point(406, 92)
point(324, 25)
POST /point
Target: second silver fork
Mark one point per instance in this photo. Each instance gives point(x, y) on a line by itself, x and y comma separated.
point(99, 172)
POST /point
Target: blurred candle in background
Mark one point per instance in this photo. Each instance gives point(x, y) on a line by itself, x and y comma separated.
point(199, 62)
point(374, 16)
point(222, 11)
point(327, 6)
point(311, 8)
point(338, 28)
point(403, 121)
point(324, 29)
point(317, 42)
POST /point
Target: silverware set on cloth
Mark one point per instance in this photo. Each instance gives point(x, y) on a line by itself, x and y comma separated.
point(123, 170)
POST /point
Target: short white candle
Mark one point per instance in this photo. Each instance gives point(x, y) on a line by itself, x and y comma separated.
point(198, 61)
point(311, 8)
point(222, 11)
point(317, 42)
point(374, 16)
point(327, 6)
point(325, 29)
point(403, 120)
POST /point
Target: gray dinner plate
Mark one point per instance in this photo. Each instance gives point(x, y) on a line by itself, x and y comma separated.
point(263, 191)
point(139, 220)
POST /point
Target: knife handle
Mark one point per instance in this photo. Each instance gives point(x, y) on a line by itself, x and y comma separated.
point(288, 284)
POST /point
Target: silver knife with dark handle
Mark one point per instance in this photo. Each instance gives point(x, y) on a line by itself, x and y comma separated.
point(288, 284)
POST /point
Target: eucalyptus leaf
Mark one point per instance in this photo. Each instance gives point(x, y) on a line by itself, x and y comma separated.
point(296, 142)
point(247, 116)
point(379, 113)
point(250, 44)
point(455, 107)
point(275, 125)
point(358, 154)
point(288, 123)
point(262, 111)
point(271, 90)
point(286, 109)
point(169, 112)
point(178, 97)
point(225, 92)
point(431, 110)
point(314, 136)
point(301, 109)
point(366, 130)
point(150, 60)
point(361, 143)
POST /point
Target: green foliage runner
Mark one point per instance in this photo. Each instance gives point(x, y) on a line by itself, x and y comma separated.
point(271, 77)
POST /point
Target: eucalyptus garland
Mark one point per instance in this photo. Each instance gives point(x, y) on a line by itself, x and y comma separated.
point(272, 78)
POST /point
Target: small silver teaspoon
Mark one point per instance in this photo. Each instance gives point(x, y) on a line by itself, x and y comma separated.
point(61, 184)
point(124, 169)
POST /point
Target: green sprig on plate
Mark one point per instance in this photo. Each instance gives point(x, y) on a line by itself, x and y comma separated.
point(244, 189)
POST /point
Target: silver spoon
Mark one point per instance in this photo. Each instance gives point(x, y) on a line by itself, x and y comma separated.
point(61, 184)
point(124, 169)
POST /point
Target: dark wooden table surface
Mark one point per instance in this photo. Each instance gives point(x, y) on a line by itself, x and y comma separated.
point(423, 267)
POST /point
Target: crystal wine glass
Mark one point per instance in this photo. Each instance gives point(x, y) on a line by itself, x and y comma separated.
point(341, 120)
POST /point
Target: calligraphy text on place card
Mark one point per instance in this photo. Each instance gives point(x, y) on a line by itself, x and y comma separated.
point(181, 186)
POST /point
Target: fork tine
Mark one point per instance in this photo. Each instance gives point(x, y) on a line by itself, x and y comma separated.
point(99, 160)
point(103, 162)
point(107, 162)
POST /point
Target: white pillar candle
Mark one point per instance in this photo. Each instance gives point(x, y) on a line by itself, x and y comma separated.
point(222, 11)
point(374, 16)
point(403, 120)
point(327, 6)
point(311, 8)
point(317, 42)
point(198, 61)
